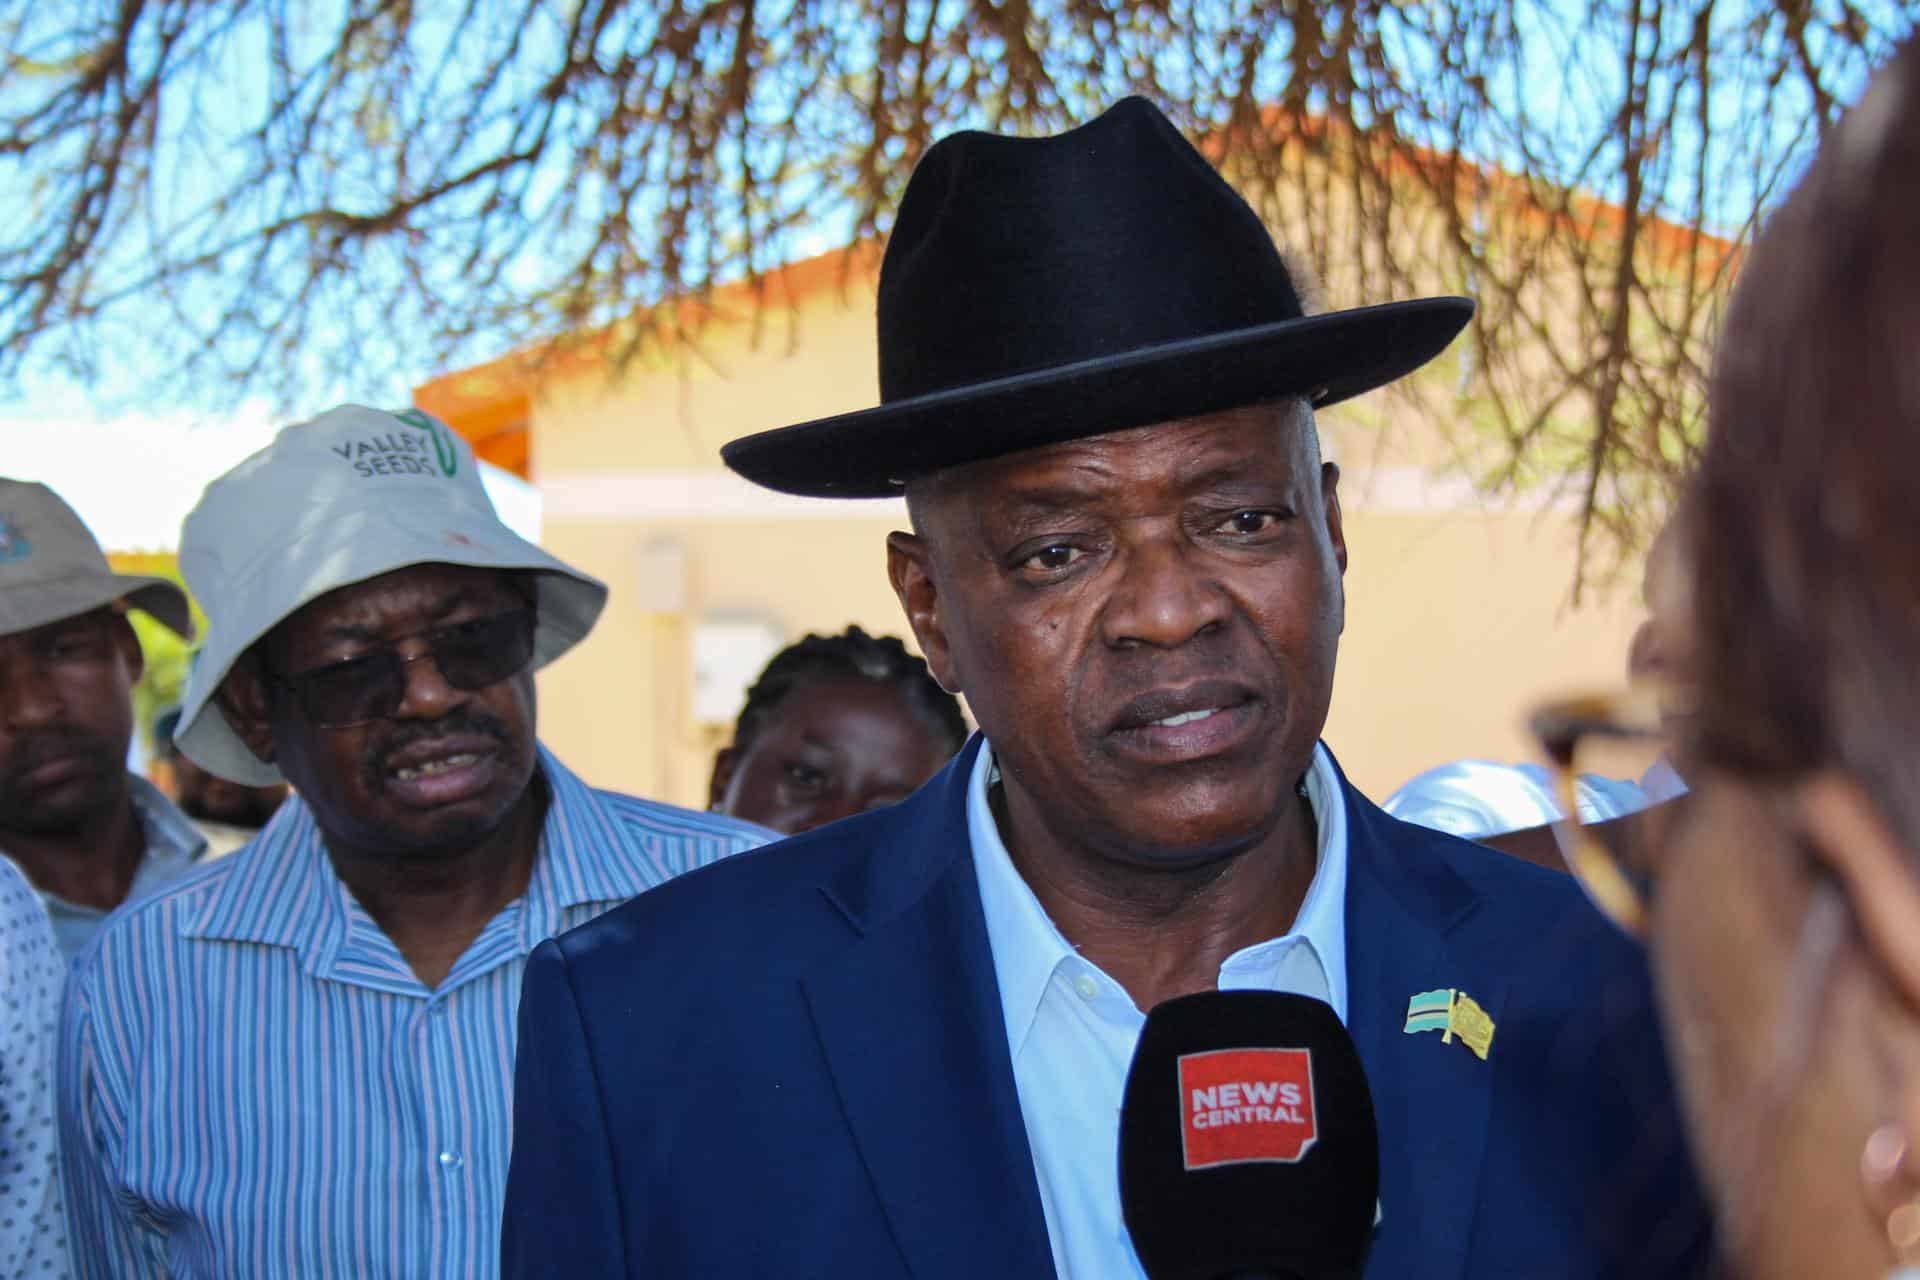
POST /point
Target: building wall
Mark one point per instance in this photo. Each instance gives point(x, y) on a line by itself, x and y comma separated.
point(1457, 614)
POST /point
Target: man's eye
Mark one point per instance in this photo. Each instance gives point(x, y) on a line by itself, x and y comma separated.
point(1255, 521)
point(73, 646)
point(1051, 558)
point(804, 776)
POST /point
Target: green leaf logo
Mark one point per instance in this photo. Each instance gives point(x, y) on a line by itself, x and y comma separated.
point(443, 450)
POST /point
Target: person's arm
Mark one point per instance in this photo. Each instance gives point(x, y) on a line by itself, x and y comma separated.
point(562, 1216)
point(106, 1241)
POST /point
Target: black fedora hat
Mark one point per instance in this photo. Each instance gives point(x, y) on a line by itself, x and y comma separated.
point(1036, 290)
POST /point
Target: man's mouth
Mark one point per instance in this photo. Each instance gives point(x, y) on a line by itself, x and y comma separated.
point(1187, 717)
point(1188, 722)
point(447, 769)
point(53, 761)
point(433, 768)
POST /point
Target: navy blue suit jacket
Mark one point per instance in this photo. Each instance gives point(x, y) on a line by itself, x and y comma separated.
point(793, 1063)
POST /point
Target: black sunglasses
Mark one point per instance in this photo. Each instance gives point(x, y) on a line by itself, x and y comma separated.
point(468, 655)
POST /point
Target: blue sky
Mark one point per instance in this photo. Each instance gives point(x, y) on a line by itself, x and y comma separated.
point(1575, 78)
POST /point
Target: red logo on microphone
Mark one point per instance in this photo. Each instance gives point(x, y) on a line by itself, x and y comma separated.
point(1246, 1106)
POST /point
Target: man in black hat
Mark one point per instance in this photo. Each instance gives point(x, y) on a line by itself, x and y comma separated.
point(898, 1046)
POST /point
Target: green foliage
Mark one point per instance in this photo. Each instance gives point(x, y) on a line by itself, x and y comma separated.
point(168, 657)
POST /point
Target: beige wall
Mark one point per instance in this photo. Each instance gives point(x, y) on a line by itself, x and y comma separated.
point(1457, 615)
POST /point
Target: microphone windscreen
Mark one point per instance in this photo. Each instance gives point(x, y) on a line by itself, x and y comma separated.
point(1247, 1141)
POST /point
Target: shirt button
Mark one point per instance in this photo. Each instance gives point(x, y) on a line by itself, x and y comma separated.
point(438, 1008)
point(450, 1160)
point(1086, 986)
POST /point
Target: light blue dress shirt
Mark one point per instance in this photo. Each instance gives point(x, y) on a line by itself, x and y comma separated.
point(174, 846)
point(33, 1232)
point(254, 1083)
point(1072, 1029)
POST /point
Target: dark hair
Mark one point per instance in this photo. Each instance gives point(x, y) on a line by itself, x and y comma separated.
point(1803, 520)
point(852, 655)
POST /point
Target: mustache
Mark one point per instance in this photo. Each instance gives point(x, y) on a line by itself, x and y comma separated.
point(467, 722)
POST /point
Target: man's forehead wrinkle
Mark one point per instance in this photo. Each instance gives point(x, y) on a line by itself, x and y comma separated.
point(1078, 474)
point(1073, 487)
point(363, 611)
point(361, 624)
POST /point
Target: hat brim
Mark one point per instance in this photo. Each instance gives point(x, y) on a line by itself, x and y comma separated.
point(344, 551)
point(873, 453)
point(31, 605)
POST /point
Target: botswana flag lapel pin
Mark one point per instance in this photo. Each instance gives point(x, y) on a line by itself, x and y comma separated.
point(1452, 1013)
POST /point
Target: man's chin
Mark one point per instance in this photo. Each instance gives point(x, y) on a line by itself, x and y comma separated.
point(1188, 842)
point(440, 841)
point(1209, 818)
point(446, 831)
point(67, 813)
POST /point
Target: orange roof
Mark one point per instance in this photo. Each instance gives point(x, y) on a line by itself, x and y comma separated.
point(491, 404)
point(1587, 216)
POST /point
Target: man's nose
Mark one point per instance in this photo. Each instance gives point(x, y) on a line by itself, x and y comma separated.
point(1162, 597)
point(426, 694)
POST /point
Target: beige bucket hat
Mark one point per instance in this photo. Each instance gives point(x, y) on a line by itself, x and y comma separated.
point(351, 495)
point(51, 567)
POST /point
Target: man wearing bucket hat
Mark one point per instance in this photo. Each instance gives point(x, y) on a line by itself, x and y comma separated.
point(899, 1047)
point(88, 833)
point(299, 1062)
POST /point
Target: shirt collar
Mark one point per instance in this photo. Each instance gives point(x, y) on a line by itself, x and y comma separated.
point(1028, 947)
point(282, 890)
point(587, 854)
point(173, 842)
point(172, 845)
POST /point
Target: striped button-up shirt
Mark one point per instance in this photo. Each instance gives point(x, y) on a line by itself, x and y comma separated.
point(253, 1082)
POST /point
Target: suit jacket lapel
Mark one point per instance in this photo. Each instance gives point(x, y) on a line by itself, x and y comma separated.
point(1430, 1097)
point(909, 1017)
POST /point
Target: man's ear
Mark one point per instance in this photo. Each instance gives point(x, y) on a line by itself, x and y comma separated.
point(725, 761)
point(1846, 830)
point(1330, 495)
point(910, 569)
point(128, 642)
point(244, 700)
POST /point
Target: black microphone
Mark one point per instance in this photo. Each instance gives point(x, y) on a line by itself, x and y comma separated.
point(1247, 1141)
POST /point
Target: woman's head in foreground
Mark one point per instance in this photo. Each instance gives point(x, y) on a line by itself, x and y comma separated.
point(1786, 928)
point(836, 725)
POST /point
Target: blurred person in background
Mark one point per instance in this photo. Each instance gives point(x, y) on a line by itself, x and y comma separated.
point(834, 726)
point(88, 833)
point(33, 1229)
point(227, 813)
point(299, 1061)
point(1782, 899)
point(1511, 806)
